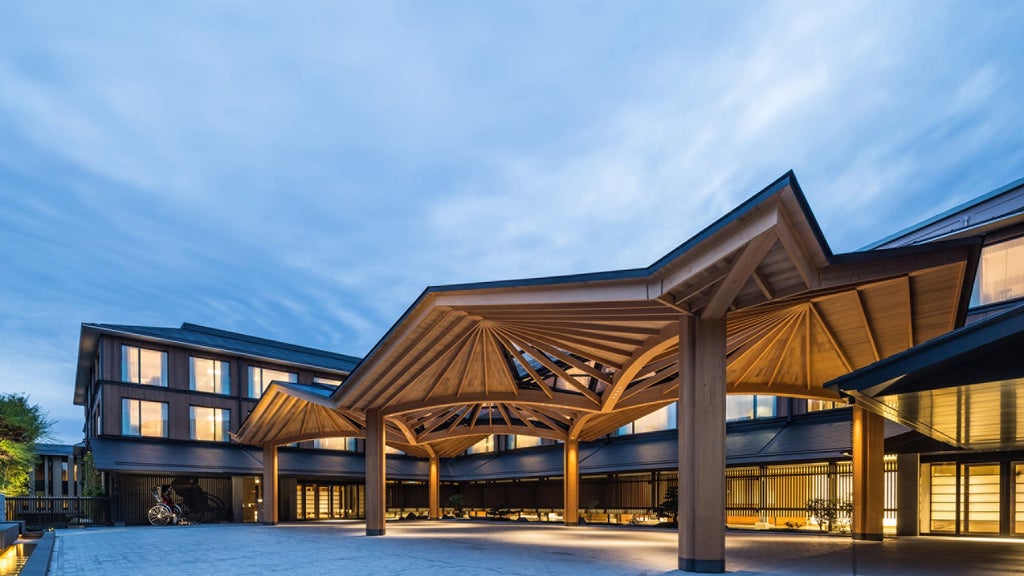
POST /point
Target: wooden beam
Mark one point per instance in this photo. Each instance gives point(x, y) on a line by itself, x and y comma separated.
point(514, 350)
point(709, 253)
point(739, 273)
point(831, 337)
point(762, 285)
point(910, 312)
point(867, 323)
point(666, 338)
point(801, 261)
point(558, 354)
point(556, 370)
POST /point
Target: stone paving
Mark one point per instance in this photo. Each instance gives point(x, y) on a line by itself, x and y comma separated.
point(487, 549)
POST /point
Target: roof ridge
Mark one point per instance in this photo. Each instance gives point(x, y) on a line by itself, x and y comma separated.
point(188, 326)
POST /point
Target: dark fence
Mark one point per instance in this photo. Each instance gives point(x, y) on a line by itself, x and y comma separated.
point(205, 499)
point(54, 512)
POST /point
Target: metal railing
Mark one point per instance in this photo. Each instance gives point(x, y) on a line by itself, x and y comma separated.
point(54, 512)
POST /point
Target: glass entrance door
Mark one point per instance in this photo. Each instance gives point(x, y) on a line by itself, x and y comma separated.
point(980, 499)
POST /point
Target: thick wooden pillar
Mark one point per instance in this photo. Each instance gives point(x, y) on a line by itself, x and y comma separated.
point(270, 484)
point(376, 477)
point(701, 428)
point(868, 474)
point(571, 485)
point(434, 487)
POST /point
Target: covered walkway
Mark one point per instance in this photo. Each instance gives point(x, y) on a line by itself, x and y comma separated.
point(756, 303)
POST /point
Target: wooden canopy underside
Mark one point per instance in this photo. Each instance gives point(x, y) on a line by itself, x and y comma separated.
point(578, 358)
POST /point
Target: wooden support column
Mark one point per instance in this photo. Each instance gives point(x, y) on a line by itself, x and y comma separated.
point(571, 484)
point(701, 429)
point(868, 474)
point(270, 484)
point(434, 487)
point(376, 477)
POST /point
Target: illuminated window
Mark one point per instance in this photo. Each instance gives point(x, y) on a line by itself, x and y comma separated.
point(749, 407)
point(485, 445)
point(521, 441)
point(663, 418)
point(142, 366)
point(206, 375)
point(814, 405)
point(142, 418)
point(942, 507)
point(260, 378)
point(328, 381)
point(337, 443)
point(980, 499)
point(1018, 491)
point(1000, 273)
point(211, 424)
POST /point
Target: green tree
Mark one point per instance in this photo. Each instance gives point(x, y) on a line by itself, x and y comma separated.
point(21, 425)
point(92, 482)
point(670, 505)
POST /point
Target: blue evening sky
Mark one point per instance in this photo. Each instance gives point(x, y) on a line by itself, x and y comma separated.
point(301, 171)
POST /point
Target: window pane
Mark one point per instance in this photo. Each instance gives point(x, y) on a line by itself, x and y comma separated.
point(211, 376)
point(485, 445)
point(153, 416)
point(522, 441)
point(260, 378)
point(141, 418)
point(943, 497)
point(1000, 272)
point(328, 381)
point(765, 406)
point(336, 443)
point(129, 364)
point(739, 407)
point(153, 367)
point(143, 366)
point(663, 418)
point(129, 417)
point(210, 424)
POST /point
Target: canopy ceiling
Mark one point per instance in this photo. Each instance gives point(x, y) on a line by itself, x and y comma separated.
point(579, 356)
point(965, 389)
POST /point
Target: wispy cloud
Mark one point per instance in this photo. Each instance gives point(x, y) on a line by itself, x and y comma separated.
point(303, 173)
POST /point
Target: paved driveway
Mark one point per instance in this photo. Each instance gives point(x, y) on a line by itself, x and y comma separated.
point(487, 548)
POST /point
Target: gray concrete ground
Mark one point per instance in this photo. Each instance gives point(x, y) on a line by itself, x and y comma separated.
point(487, 549)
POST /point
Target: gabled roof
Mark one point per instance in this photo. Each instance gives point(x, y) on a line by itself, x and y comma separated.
point(998, 207)
point(462, 362)
point(212, 340)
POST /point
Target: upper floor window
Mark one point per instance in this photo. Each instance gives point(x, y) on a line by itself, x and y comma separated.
point(749, 407)
point(523, 441)
point(143, 418)
point(663, 418)
point(336, 443)
point(209, 423)
point(328, 381)
point(1000, 273)
point(485, 445)
point(206, 375)
point(143, 366)
point(260, 378)
point(814, 405)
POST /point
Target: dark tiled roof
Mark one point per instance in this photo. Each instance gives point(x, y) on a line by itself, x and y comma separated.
point(196, 335)
point(169, 457)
